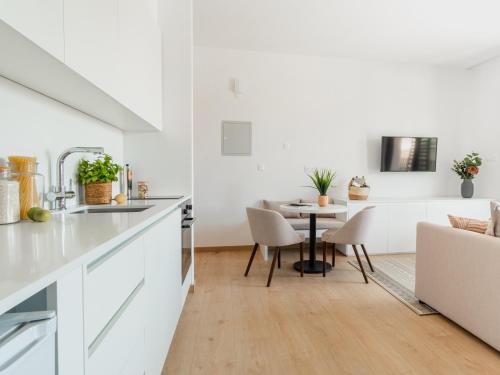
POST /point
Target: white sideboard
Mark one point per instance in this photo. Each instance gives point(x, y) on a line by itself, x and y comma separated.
point(395, 224)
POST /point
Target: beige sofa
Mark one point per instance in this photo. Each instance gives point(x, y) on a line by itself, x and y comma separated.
point(458, 274)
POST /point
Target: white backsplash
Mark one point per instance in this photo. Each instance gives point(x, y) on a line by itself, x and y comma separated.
point(34, 125)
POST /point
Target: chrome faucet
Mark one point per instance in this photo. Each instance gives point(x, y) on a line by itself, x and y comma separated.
point(59, 196)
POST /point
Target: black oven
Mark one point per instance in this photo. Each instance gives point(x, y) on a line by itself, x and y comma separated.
point(187, 238)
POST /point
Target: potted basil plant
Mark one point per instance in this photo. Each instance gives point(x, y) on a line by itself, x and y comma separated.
point(97, 177)
point(322, 180)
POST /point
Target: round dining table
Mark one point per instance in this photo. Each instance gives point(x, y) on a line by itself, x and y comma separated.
point(313, 209)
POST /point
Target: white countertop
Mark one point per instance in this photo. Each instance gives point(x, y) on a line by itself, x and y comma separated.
point(34, 255)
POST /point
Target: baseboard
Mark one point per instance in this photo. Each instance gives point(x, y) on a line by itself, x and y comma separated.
point(224, 248)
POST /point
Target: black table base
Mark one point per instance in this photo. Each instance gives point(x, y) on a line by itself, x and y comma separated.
point(312, 267)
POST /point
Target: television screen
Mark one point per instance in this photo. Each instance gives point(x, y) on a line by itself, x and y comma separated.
point(408, 154)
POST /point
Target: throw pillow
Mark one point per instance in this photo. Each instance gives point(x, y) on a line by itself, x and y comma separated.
point(494, 227)
point(275, 206)
point(473, 225)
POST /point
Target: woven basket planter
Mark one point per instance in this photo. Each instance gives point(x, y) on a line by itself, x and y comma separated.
point(358, 193)
point(98, 193)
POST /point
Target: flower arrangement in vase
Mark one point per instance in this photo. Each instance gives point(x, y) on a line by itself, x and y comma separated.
point(467, 169)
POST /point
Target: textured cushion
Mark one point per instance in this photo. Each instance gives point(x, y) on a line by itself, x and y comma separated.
point(478, 226)
point(330, 201)
point(494, 226)
point(275, 206)
point(321, 223)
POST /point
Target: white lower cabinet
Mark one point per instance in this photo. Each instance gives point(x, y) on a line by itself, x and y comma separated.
point(394, 229)
point(132, 301)
point(109, 282)
point(115, 351)
point(162, 244)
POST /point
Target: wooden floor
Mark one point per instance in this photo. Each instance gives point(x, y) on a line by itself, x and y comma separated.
point(315, 325)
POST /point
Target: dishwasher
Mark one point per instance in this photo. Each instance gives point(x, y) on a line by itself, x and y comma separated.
point(28, 343)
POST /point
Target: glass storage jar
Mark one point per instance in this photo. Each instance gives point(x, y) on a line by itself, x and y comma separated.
point(31, 183)
point(9, 195)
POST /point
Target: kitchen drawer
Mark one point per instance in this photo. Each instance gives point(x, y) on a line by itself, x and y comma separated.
point(136, 363)
point(109, 282)
point(119, 349)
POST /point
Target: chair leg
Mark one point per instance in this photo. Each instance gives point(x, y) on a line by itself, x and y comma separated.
point(276, 252)
point(301, 259)
point(251, 259)
point(367, 258)
point(360, 264)
point(324, 258)
point(279, 259)
point(333, 255)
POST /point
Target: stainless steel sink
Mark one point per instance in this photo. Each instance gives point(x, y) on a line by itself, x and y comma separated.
point(107, 210)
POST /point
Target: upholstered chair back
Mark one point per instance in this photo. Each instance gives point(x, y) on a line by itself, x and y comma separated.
point(270, 228)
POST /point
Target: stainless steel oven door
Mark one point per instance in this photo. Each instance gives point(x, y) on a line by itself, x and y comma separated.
point(187, 225)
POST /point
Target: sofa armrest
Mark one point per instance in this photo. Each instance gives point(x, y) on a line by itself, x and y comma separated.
point(458, 273)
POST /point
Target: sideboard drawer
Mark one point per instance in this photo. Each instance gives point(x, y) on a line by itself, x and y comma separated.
point(109, 282)
point(119, 348)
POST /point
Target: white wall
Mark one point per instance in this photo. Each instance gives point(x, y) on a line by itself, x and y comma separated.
point(482, 134)
point(165, 159)
point(331, 112)
point(34, 125)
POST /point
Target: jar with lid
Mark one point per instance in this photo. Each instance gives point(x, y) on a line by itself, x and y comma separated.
point(31, 183)
point(9, 195)
point(143, 189)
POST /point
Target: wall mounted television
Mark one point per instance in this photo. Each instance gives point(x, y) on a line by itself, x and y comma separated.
point(408, 154)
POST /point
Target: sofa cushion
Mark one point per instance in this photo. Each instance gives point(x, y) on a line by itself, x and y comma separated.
point(321, 223)
point(275, 206)
point(473, 225)
point(330, 201)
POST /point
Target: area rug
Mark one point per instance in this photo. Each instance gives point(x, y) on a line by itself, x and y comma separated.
point(396, 274)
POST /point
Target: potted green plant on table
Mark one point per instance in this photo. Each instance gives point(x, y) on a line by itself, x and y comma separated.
point(467, 169)
point(97, 177)
point(322, 180)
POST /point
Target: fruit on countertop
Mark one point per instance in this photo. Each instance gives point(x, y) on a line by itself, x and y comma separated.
point(39, 214)
point(31, 212)
point(120, 198)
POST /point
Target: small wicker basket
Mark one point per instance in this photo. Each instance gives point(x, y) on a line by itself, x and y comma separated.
point(98, 193)
point(357, 193)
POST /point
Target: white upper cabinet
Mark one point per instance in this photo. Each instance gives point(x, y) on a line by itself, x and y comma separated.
point(116, 45)
point(140, 86)
point(102, 57)
point(91, 41)
point(41, 21)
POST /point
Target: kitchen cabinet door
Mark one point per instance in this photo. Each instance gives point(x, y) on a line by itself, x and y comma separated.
point(140, 78)
point(41, 21)
point(163, 288)
point(91, 41)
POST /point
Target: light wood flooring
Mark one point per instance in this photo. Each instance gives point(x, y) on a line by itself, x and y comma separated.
point(311, 325)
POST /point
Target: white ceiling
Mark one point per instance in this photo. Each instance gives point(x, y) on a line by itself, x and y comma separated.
point(441, 32)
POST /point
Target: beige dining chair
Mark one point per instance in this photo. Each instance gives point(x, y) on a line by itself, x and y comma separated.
point(354, 232)
point(270, 228)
